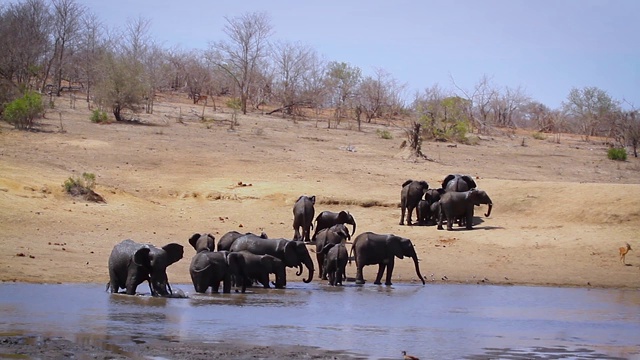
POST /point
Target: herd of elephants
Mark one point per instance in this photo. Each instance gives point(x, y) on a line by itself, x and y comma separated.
point(243, 259)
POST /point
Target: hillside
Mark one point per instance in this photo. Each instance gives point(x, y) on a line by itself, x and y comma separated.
point(561, 210)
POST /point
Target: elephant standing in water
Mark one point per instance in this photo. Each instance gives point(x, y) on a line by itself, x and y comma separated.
point(258, 267)
point(381, 249)
point(410, 196)
point(303, 213)
point(292, 253)
point(132, 263)
point(225, 242)
point(327, 219)
point(335, 263)
point(334, 235)
point(454, 205)
point(210, 268)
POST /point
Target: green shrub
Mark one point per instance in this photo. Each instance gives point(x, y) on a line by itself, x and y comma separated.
point(98, 116)
point(539, 136)
point(617, 154)
point(86, 182)
point(384, 134)
point(234, 104)
point(23, 111)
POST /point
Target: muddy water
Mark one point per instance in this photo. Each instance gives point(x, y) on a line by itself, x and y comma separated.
point(432, 321)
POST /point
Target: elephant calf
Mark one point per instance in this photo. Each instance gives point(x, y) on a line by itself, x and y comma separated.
point(335, 263)
point(258, 267)
point(132, 263)
point(454, 205)
point(210, 268)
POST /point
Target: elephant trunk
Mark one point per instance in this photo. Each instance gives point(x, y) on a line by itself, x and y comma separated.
point(415, 262)
point(354, 228)
point(489, 211)
point(299, 272)
point(309, 265)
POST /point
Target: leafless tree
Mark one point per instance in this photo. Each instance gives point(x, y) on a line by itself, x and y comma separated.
point(242, 53)
point(377, 94)
point(592, 108)
point(505, 105)
point(342, 81)
point(92, 46)
point(67, 22)
point(291, 65)
point(314, 89)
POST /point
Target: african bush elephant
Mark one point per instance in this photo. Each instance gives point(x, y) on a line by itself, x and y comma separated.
point(457, 182)
point(292, 253)
point(327, 219)
point(225, 242)
point(381, 249)
point(131, 263)
point(202, 242)
point(259, 267)
point(303, 213)
point(333, 235)
point(455, 205)
point(410, 196)
point(335, 263)
point(425, 215)
point(209, 268)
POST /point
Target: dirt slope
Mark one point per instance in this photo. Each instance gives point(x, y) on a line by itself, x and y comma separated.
point(561, 210)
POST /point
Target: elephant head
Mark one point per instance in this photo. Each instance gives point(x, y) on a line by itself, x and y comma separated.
point(457, 182)
point(341, 231)
point(156, 261)
point(401, 247)
point(302, 254)
point(202, 242)
point(345, 218)
point(481, 197)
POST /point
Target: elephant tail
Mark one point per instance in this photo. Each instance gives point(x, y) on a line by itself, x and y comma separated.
point(108, 286)
point(350, 254)
point(201, 270)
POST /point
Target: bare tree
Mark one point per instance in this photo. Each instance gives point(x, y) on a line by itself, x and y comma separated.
point(592, 108)
point(291, 64)
point(241, 54)
point(342, 81)
point(377, 94)
point(92, 46)
point(314, 83)
point(506, 104)
point(67, 17)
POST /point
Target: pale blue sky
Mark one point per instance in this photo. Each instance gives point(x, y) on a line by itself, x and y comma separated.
point(547, 46)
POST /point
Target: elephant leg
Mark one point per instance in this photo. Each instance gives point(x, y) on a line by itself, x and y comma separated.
point(450, 221)
point(264, 280)
point(402, 215)
point(226, 284)
point(440, 219)
point(389, 271)
point(332, 278)
point(409, 214)
point(359, 275)
point(381, 268)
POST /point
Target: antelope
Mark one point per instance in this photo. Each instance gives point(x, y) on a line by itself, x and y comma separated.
point(198, 97)
point(623, 252)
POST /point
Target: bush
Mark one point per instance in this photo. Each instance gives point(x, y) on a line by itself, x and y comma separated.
point(98, 116)
point(23, 111)
point(617, 154)
point(87, 182)
point(539, 136)
point(234, 104)
point(384, 134)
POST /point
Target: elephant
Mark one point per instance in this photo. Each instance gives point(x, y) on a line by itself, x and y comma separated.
point(425, 215)
point(292, 253)
point(327, 219)
point(333, 235)
point(131, 263)
point(412, 193)
point(335, 263)
point(209, 268)
point(202, 242)
point(371, 248)
point(259, 267)
point(303, 213)
point(455, 205)
point(457, 182)
point(225, 242)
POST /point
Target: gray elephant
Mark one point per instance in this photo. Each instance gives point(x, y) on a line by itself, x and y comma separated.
point(336, 234)
point(411, 194)
point(225, 242)
point(335, 263)
point(292, 253)
point(303, 213)
point(210, 268)
point(327, 219)
point(457, 182)
point(454, 205)
point(258, 267)
point(381, 249)
point(425, 215)
point(132, 263)
point(202, 242)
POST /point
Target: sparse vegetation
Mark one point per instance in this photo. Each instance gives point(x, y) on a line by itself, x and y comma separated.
point(384, 134)
point(539, 135)
point(83, 187)
point(617, 154)
point(23, 111)
point(98, 116)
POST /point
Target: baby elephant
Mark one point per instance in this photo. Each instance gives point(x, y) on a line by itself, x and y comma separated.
point(335, 263)
point(132, 263)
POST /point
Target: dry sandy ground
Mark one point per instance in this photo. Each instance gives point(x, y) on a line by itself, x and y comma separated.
point(561, 210)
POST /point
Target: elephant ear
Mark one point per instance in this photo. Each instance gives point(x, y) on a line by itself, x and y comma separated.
point(313, 199)
point(174, 252)
point(395, 246)
point(290, 254)
point(211, 242)
point(142, 257)
point(425, 185)
point(263, 235)
point(193, 240)
point(447, 179)
point(407, 182)
point(469, 180)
